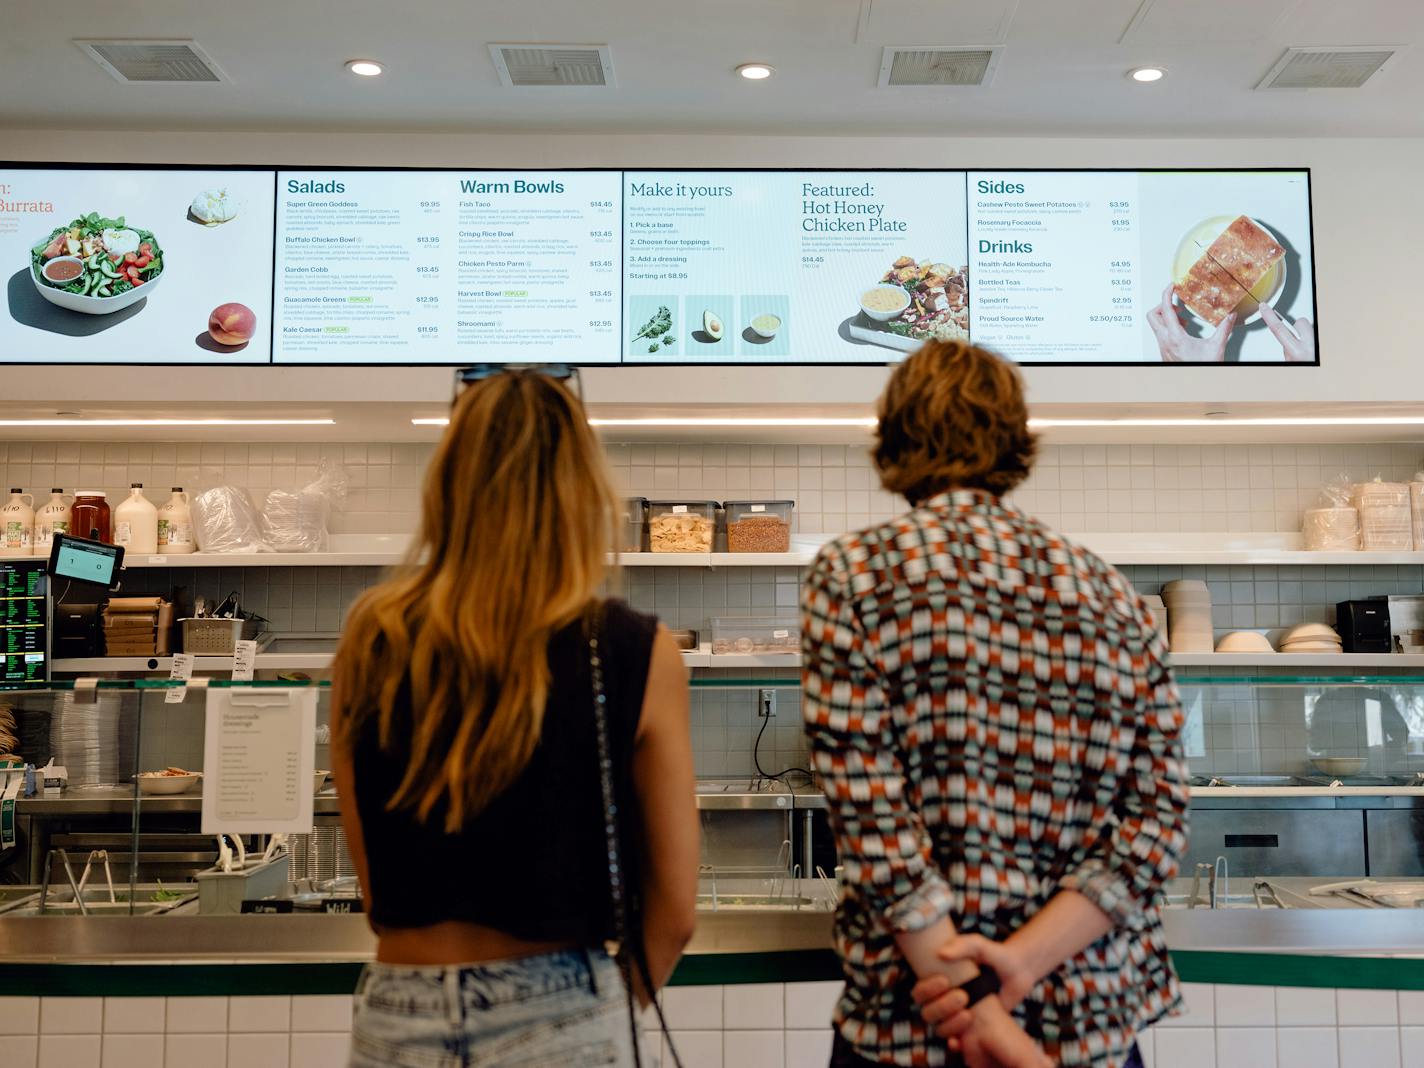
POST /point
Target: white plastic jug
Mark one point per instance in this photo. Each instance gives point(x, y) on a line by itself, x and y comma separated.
point(136, 523)
point(175, 525)
point(54, 517)
point(17, 524)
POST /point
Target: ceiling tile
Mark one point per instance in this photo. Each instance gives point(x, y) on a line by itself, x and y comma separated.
point(938, 22)
point(1175, 21)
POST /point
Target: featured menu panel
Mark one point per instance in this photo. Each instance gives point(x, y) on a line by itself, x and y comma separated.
point(412, 267)
point(136, 266)
point(1142, 267)
point(791, 267)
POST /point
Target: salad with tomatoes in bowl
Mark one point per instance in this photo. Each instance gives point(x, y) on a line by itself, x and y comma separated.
point(96, 265)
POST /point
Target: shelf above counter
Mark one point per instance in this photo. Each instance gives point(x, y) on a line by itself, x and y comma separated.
point(1123, 549)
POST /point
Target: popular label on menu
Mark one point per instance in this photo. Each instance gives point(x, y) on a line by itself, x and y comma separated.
point(447, 267)
point(1142, 267)
point(785, 267)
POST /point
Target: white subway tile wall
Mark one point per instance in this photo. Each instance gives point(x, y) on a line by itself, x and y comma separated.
point(1093, 488)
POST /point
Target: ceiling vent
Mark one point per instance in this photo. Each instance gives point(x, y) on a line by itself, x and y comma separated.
point(938, 66)
point(1326, 68)
point(560, 66)
point(154, 62)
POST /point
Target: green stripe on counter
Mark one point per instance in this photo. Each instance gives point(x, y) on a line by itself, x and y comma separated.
point(706, 969)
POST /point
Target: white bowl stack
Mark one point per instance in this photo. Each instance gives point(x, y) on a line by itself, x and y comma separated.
point(1188, 604)
point(1311, 638)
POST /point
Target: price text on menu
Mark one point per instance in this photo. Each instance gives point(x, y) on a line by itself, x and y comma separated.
point(439, 267)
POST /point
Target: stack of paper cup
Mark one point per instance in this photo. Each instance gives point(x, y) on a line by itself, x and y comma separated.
point(1188, 604)
point(1158, 609)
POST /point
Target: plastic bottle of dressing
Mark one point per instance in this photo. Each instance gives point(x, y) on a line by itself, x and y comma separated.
point(136, 523)
point(17, 524)
point(54, 517)
point(175, 525)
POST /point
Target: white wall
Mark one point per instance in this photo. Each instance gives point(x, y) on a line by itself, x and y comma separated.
point(1368, 228)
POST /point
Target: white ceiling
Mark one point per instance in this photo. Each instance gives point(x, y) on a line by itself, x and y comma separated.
point(1061, 71)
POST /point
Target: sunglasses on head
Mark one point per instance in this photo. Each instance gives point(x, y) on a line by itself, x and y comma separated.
point(466, 377)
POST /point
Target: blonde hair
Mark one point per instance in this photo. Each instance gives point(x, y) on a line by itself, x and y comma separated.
point(517, 521)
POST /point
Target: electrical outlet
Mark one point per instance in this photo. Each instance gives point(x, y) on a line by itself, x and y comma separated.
point(766, 703)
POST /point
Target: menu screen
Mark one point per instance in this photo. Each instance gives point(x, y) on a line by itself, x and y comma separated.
point(1142, 267)
point(411, 267)
point(136, 266)
point(24, 655)
point(788, 267)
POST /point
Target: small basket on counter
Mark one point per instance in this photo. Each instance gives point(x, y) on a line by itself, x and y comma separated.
point(681, 526)
point(759, 526)
point(210, 636)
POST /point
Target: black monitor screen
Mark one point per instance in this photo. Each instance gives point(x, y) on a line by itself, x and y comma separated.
point(24, 618)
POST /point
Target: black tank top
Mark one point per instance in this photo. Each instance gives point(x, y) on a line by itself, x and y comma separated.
point(534, 863)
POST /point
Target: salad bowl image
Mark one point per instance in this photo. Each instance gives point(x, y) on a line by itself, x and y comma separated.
point(96, 265)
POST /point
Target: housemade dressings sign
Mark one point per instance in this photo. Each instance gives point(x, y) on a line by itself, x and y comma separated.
point(259, 761)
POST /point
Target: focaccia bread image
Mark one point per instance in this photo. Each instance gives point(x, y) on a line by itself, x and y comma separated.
point(1209, 291)
point(1245, 252)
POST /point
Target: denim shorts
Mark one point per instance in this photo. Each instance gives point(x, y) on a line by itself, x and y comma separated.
point(568, 1009)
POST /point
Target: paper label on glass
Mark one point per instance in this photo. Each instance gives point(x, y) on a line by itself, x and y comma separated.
point(244, 660)
point(182, 669)
point(259, 759)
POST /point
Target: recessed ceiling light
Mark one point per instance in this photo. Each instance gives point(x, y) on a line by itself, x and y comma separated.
point(367, 68)
point(1147, 74)
point(756, 71)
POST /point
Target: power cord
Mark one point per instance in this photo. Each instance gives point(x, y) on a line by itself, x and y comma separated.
point(781, 775)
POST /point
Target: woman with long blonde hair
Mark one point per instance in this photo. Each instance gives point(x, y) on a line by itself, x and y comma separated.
point(512, 755)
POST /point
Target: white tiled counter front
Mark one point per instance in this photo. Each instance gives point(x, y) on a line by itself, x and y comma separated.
point(306, 1031)
point(758, 1025)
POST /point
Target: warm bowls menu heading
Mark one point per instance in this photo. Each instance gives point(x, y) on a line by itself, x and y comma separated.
point(404, 267)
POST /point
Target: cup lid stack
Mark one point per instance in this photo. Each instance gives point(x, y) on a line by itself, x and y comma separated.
point(1188, 603)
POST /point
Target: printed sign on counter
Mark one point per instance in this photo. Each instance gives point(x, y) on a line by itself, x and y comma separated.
point(396, 267)
point(791, 266)
point(136, 266)
point(259, 761)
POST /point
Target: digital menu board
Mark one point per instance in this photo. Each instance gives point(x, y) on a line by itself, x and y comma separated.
point(1142, 266)
point(24, 623)
point(393, 267)
point(136, 265)
point(401, 267)
point(791, 267)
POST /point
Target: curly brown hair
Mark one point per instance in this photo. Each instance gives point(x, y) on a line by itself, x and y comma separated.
point(953, 416)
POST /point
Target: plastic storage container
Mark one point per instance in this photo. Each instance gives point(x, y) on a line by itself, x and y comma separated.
point(759, 526)
point(136, 523)
point(681, 526)
point(17, 524)
point(175, 525)
point(91, 517)
point(633, 530)
point(748, 634)
point(51, 519)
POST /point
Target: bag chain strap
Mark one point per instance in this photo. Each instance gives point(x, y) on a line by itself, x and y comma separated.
point(629, 942)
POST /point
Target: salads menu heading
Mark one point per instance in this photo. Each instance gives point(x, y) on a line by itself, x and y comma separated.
point(405, 267)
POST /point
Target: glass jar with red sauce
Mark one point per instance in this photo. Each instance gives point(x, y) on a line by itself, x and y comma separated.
point(90, 516)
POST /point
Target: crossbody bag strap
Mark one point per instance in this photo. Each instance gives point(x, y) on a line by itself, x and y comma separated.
point(629, 953)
